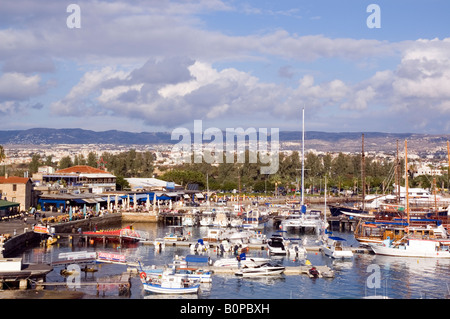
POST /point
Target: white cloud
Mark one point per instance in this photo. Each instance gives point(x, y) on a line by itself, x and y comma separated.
point(17, 86)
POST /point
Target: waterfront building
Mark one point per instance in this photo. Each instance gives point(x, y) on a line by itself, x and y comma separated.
point(91, 179)
point(16, 189)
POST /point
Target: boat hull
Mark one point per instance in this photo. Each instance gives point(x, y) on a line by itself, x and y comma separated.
point(257, 272)
point(232, 262)
point(337, 254)
point(415, 248)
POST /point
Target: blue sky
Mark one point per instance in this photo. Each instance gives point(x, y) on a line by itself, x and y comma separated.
point(150, 65)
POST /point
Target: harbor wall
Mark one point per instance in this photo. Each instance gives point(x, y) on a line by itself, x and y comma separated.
point(19, 243)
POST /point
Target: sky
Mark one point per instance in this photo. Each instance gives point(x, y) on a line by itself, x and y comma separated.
point(156, 65)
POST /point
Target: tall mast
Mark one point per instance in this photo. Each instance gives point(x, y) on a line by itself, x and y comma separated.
point(397, 170)
point(448, 156)
point(303, 156)
point(406, 181)
point(363, 175)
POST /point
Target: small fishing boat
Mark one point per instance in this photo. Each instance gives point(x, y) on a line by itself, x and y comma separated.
point(265, 269)
point(169, 284)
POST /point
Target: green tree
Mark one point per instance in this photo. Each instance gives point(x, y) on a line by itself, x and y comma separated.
point(65, 162)
point(92, 159)
point(35, 163)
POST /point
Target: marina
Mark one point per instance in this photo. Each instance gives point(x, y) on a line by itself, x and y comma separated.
point(295, 278)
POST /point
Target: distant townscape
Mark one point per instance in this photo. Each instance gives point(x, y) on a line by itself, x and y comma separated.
point(43, 155)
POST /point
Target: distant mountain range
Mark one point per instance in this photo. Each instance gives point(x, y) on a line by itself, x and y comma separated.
point(324, 141)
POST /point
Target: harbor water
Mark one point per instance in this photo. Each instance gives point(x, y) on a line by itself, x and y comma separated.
point(362, 276)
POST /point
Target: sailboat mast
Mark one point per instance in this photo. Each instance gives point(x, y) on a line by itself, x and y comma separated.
point(448, 156)
point(397, 170)
point(325, 201)
point(303, 156)
point(406, 181)
point(363, 175)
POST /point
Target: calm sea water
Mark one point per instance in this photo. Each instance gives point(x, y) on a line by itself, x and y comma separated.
point(401, 278)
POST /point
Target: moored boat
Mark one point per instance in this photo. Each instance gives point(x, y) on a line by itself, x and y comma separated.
point(241, 260)
point(277, 245)
point(265, 269)
point(169, 284)
point(332, 247)
point(414, 248)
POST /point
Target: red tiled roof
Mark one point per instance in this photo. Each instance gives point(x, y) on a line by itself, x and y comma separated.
point(13, 180)
point(81, 169)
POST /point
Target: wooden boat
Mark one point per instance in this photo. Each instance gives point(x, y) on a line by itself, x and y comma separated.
point(367, 233)
point(411, 245)
point(265, 269)
point(125, 234)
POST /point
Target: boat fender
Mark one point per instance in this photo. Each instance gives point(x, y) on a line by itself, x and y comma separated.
point(143, 275)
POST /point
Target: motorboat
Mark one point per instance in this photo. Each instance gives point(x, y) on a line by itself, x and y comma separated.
point(176, 234)
point(188, 220)
point(221, 220)
point(265, 269)
point(332, 247)
point(236, 222)
point(254, 220)
point(207, 219)
point(199, 246)
point(258, 238)
point(242, 260)
point(296, 251)
point(277, 245)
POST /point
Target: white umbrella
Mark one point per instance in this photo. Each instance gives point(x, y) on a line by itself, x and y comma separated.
point(170, 204)
point(108, 202)
point(135, 202)
point(147, 204)
point(128, 201)
point(116, 201)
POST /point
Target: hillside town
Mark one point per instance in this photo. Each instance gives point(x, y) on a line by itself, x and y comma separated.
point(57, 189)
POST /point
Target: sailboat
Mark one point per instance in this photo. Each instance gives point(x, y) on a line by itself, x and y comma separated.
point(410, 245)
